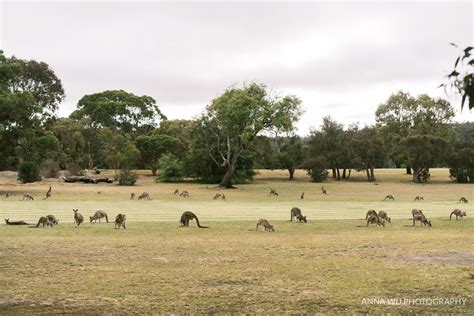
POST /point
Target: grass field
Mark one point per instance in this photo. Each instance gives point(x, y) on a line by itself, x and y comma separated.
point(327, 264)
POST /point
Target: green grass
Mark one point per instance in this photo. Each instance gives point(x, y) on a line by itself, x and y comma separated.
point(156, 267)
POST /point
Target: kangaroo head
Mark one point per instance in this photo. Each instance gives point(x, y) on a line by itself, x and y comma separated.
point(304, 219)
point(271, 228)
point(389, 220)
point(91, 218)
point(464, 213)
point(429, 223)
point(6, 220)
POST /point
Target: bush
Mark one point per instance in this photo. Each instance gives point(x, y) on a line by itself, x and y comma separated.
point(49, 169)
point(170, 169)
point(29, 171)
point(74, 169)
point(315, 169)
point(126, 177)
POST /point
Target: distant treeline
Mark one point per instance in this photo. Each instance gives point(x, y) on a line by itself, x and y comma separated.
point(119, 130)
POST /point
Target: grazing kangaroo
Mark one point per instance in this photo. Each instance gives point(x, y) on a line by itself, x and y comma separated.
point(144, 196)
point(463, 200)
point(383, 215)
point(458, 213)
point(374, 219)
point(189, 216)
point(8, 222)
point(302, 196)
point(120, 221)
point(184, 194)
point(28, 197)
point(219, 196)
point(98, 216)
point(296, 213)
point(265, 224)
point(45, 221)
point(132, 196)
point(176, 192)
point(78, 218)
point(418, 198)
point(273, 192)
point(323, 190)
point(370, 213)
point(52, 219)
point(416, 211)
point(7, 195)
point(48, 194)
point(421, 217)
point(389, 197)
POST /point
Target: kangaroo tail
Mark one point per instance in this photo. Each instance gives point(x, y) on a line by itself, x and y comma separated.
point(450, 216)
point(199, 225)
point(106, 218)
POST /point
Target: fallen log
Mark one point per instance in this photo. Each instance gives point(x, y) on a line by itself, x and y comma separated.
point(86, 179)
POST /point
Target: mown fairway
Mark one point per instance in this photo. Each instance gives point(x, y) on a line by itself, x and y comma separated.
point(328, 264)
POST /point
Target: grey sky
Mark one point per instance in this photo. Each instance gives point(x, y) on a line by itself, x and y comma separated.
point(341, 58)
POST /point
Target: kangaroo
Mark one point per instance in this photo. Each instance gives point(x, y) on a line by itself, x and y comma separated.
point(7, 195)
point(132, 196)
point(176, 192)
point(52, 219)
point(184, 194)
point(416, 211)
point(144, 196)
point(120, 221)
point(98, 216)
point(389, 197)
point(265, 224)
point(383, 215)
point(189, 216)
point(8, 222)
point(78, 218)
point(374, 219)
point(48, 194)
point(45, 221)
point(421, 217)
point(28, 197)
point(370, 213)
point(418, 198)
point(302, 196)
point(463, 200)
point(273, 193)
point(296, 213)
point(218, 196)
point(458, 213)
point(323, 190)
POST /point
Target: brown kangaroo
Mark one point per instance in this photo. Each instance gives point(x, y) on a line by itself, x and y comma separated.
point(418, 198)
point(176, 192)
point(421, 217)
point(132, 196)
point(265, 224)
point(369, 213)
point(389, 197)
point(374, 219)
point(120, 221)
point(219, 196)
point(7, 195)
point(416, 211)
point(78, 218)
point(48, 194)
point(273, 193)
point(189, 216)
point(323, 190)
point(144, 196)
point(184, 194)
point(45, 221)
point(8, 222)
point(52, 219)
point(296, 213)
point(463, 200)
point(458, 213)
point(383, 215)
point(27, 197)
point(302, 196)
point(98, 216)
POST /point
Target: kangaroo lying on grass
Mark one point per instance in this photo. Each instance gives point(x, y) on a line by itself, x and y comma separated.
point(189, 216)
point(8, 222)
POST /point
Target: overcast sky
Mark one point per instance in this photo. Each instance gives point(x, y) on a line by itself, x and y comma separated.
point(341, 58)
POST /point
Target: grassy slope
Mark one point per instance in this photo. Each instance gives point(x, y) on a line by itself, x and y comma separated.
point(318, 266)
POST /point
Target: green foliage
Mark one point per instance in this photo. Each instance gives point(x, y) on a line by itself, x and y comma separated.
point(461, 160)
point(126, 177)
point(171, 169)
point(49, 169)
point(120, 111)
point(462, 76)
point(28, 171)
point(315, 167)
point(152, 148)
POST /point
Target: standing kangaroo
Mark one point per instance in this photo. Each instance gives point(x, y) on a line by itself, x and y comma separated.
point(176, 192)
point(132, 196)
point(458, 213)
point(7, 195)
point(120, 221)
point(48, 194)
point(98, 216)
point(189, 216)
point(295, 212)
point(302, 196)
point(265, 224)
point(323, 190)
point(78, 218)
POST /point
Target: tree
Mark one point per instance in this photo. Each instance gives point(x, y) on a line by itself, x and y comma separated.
point(462, 76)
point(238, 116)
point(152, 148)
point(119, 110)
point(461, 160)
point(291, 154)
point(368, 145)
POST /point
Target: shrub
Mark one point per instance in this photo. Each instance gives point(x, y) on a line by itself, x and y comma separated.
point(126, 177)
point(49, 169)
point(29, 171)
point(170, 169)
point(74, 169)
point(315, 169)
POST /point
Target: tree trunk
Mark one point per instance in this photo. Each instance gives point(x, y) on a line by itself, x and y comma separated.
point(338, 174)
point(416, 175)
point(153, 171)
point(408, 170)
point(372, 174)
point(368, 174)
point(227, 180)
point(292, 173)
point(349, 175)
point(344, 173)
point(334, 173)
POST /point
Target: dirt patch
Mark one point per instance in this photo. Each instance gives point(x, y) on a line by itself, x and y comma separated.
point(458, 258)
